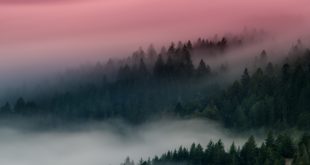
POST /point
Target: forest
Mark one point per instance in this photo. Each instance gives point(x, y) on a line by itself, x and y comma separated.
point(179, 83)
point(169, 84)
point(273, 97)
point(149, 82)
point(273, 151)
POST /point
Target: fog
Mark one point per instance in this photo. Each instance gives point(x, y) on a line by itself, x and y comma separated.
point(40, 37)
point(236, 60)
point(108, 143)
point(29, 83)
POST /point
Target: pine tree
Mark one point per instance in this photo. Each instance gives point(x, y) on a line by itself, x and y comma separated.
point(233, 153)
point(270, 141)
point(189, 45)
point(202, 69)
point(187, 61)
point(159, 66)
point(6, 108)
point(125, 73)
point(20, 105)
point(171, 50)
point(142, 68)
point(245, 79)
point(151, 52)
point(263, 57)
point(285, 72)
point(286, 146)
point(249, 152)
point(269, 69)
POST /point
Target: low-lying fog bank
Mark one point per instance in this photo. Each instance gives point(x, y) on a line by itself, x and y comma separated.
point(108, 143)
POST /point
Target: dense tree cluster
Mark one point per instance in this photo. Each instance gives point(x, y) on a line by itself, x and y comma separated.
point(270, 97)
point(274, 97)
point(20, 107)
point(172, 56)
point(136, 94)
point(146, 84)
point(273, 151)
point(168, 83)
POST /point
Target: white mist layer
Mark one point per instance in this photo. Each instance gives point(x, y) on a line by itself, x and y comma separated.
point(107, 144)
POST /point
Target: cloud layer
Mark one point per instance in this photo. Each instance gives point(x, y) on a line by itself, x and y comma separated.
point(107, 143)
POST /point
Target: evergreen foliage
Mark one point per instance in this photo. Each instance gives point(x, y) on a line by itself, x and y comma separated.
point(273, 151)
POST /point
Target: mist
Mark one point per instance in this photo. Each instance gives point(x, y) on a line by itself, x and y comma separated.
point(236, 60)
point(109, 143)
point(40, 40)
point(43, 37)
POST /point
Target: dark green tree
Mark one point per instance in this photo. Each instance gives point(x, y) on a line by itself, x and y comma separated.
point(249, 152)
point(203, 69)
point(159, 67)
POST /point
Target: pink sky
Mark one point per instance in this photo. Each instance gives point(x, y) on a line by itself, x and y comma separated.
point(34, 33)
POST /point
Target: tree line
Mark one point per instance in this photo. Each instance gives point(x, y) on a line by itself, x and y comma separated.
point(276, 96)
point(273, 151)
point(136, 94)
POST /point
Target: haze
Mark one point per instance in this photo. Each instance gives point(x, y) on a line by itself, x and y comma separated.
point(49, 34)
point(40, 37)
point(108, 143)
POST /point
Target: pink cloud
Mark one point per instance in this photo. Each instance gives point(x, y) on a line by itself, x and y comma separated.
point(91, 29)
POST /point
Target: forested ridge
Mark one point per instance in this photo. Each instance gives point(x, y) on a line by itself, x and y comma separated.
point(130, 88)
point(171, 84)
point(275, 96)
point(278, 150)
